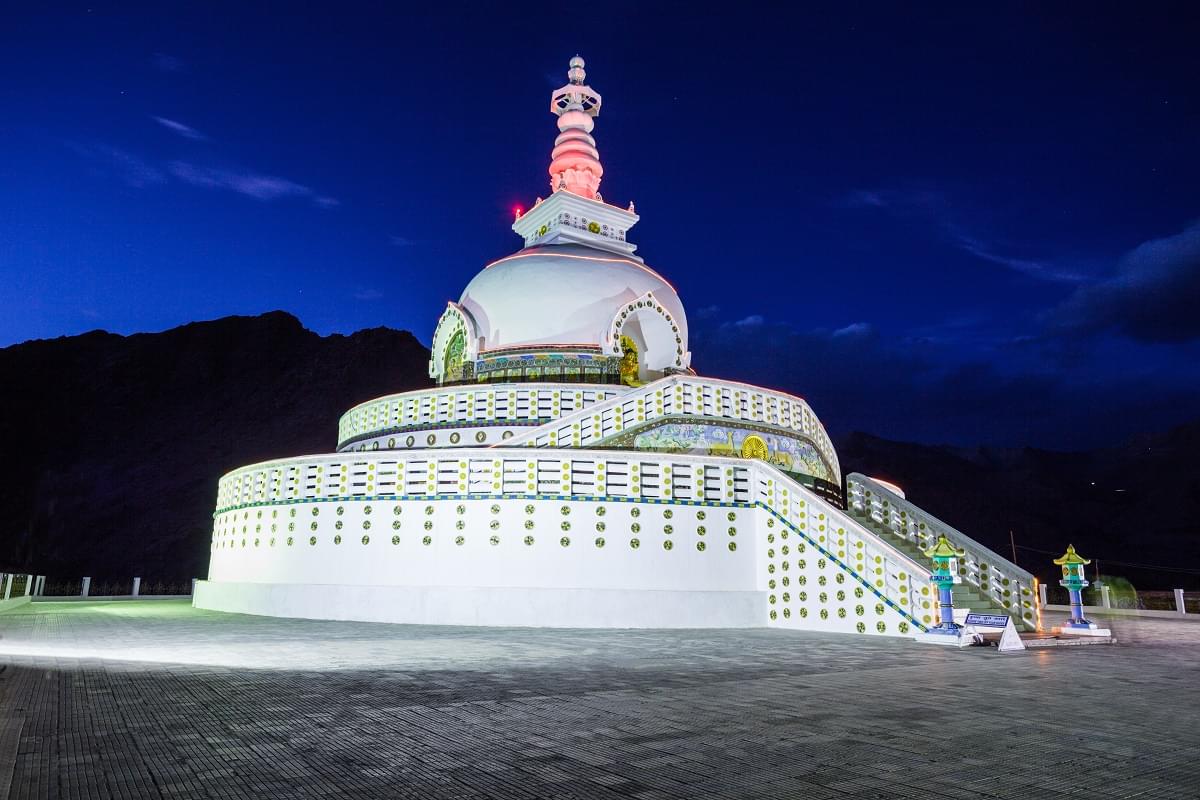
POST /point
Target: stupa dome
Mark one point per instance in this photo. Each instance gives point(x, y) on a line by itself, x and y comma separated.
point(561, 296)
point(575, 304)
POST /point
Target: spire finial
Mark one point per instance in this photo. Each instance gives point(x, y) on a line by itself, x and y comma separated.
point(576, 74)
point(575, 162)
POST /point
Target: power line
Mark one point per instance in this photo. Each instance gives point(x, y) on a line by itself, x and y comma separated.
point(1122, 563)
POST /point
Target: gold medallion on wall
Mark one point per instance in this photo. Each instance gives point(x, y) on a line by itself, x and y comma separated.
point(754, 447)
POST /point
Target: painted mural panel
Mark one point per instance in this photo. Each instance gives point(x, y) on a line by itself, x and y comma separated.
point(785, 452)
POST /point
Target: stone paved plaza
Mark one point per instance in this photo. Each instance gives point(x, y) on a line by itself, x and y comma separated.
point(154, 699)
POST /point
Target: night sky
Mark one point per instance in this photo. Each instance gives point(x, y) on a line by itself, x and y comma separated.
point(966, 225)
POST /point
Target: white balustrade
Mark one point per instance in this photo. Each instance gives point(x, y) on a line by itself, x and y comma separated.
point(1005, 584)
point(476, 405)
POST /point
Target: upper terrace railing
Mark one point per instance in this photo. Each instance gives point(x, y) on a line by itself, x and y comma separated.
point(482, 404)
point(994, 576)
point(461, 471)
point(682, 395)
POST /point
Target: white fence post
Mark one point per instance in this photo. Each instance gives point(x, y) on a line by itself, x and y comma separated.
point(1179, 606)
point(1042, 594)
point(1104, 596)
point(8, 579)
point(87, 585)
point(193, 587)
point(137, 586)
point(39, 588)
point(28, 585)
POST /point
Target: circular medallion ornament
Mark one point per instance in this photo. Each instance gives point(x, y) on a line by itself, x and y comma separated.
point(754, 447)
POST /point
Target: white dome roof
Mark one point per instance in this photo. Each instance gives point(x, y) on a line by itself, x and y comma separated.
point(562, 295)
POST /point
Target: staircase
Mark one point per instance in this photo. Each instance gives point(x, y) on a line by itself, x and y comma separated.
point(990, 583)
point(681, 396)
point(965, 595)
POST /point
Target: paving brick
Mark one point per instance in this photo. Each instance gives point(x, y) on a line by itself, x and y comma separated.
point(157, 700)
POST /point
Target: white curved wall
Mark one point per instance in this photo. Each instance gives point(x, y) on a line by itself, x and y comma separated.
point(718, 539)
point(477, 561)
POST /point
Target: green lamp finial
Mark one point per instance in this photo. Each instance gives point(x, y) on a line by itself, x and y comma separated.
point(943, 549)
point(1071, 557)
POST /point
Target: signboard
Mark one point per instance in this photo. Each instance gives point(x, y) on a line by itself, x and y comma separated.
point(988, 620)
point(1010, 640)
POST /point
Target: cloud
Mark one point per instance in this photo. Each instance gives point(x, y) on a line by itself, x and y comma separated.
point(140, 172)
point(1034, 268)
point(855, 329)
point(752, 321)
point(863, 198)
point(367, 295)
point(185, 131)
point(129, 168)
point(166, 63)
point(935, 209)
point(251, 184)
point(1153, 298)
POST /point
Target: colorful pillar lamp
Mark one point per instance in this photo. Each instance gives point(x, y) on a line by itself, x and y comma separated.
point(943, 555)
point(1072, 569)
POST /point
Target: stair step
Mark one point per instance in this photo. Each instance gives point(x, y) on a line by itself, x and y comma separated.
point(964, 595)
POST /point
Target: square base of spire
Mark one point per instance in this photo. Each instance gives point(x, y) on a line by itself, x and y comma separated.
point(567, 218)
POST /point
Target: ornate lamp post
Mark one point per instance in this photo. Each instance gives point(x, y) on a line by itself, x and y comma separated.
point(943, 555)
point(1072, 569)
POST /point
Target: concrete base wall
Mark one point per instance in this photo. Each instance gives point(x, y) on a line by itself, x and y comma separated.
point(489, 606)
point(1101, 611)
point(14, 602)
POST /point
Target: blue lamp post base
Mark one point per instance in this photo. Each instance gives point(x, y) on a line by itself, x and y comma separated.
point(1072, 568)
point(947, 631)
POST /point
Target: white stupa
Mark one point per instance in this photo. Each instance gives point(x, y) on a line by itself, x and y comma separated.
point(571, 469)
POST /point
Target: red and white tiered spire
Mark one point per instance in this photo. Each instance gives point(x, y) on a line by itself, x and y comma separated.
point(575, 213)
point(575, 164)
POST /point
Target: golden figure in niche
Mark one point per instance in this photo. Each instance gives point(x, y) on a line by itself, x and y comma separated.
point(452, 364)
point(629, 362)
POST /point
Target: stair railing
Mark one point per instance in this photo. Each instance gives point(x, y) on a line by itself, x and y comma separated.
point(994, 577)
point(895, 578)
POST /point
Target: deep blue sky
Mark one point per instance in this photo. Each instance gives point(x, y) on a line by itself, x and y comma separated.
point(945, 224)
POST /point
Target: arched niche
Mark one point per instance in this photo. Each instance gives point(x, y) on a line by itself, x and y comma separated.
point(455, 347)
point(645, 327)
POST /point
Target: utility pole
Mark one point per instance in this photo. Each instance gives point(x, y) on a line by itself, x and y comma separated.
point(1013, 542)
